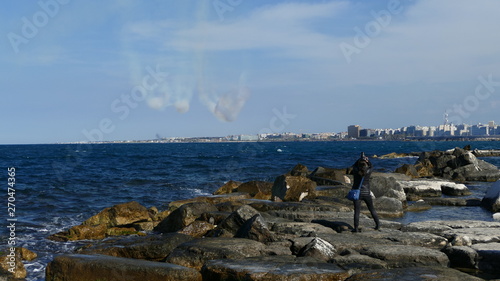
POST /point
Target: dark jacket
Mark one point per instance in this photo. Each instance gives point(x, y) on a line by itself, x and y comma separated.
point(358, 173)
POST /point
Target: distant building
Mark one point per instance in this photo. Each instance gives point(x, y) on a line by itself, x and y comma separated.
point(353, 131)
point(366, 133)
point(480, 130)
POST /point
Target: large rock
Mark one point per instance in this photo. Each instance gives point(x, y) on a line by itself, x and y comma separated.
point(237, 219)
point(293, 188)
point(491, 200)
point(256, 229)
point(257, 189)
point(195, 253)
point(387, 184)
point(329, 176)
point(275, 268)
point(95, 267)
point(318, 249)
point(388, 207)
point(462, 256)
point(183, 216)
point(119, 215)
point(406, 256)
point(489, 257)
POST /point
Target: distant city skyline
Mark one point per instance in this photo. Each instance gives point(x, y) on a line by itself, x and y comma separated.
point(80, 71)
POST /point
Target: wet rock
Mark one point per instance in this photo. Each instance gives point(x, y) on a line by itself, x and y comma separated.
point(462, 257)
point(276, 268)
point(229, 187)
point(453, 201)
point(418, 206)
point(211, 199)
point(120, 215)
point(318, 249)
point(406, 256)
point(81, 232)
point(256, 229)
point(257, 189)
point(491, 200)
point(183, 216)
point(11, 265)
point(152, 247)
point(439, 227)
point(195, 253)
point(413, 274)
point(293, 188)
point(95, 267)
point(489, 257)
point(301, 211)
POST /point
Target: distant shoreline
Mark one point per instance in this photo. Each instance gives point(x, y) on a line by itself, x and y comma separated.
point(219, 140)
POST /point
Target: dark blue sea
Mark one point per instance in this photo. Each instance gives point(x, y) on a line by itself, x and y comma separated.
point(61, 185)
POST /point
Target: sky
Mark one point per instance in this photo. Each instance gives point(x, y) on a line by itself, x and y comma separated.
point(75, 70)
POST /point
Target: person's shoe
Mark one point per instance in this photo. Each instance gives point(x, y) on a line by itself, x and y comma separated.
point(355, 230)
point(377, 227)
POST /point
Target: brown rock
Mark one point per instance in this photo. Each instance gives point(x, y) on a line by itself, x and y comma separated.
point(197, 229)
point(292, 188)
point(11, 265)
point(118, 215)
point(229, 187)
point(183, 216)
point(257, 187)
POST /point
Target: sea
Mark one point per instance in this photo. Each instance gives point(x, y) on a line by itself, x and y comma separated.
point(57, 186)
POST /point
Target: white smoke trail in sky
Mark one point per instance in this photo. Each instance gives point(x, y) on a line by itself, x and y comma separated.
point(192, 73)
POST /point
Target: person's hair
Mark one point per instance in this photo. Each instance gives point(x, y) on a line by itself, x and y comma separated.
point(363, 167)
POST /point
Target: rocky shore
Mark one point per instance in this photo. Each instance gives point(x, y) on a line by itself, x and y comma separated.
point(295, 228)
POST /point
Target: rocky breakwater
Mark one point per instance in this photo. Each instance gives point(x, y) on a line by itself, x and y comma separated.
point(457, 165)
point(291, 229)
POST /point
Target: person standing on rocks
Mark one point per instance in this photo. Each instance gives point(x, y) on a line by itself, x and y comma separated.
point(361, 170)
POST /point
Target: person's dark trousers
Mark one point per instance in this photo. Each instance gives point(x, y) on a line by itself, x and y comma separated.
point(357, 209)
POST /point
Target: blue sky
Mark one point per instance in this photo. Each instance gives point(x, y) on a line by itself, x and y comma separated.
point(76, 70)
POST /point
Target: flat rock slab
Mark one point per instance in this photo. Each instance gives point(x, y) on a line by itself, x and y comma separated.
point(406, 256)
point(421, 239)
point(477, 235)
point(97, 267)
point(196, 252)
point(438, 227)
point(277, 268)
point(344, 241)
point(415, 274)
point(301, 228)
